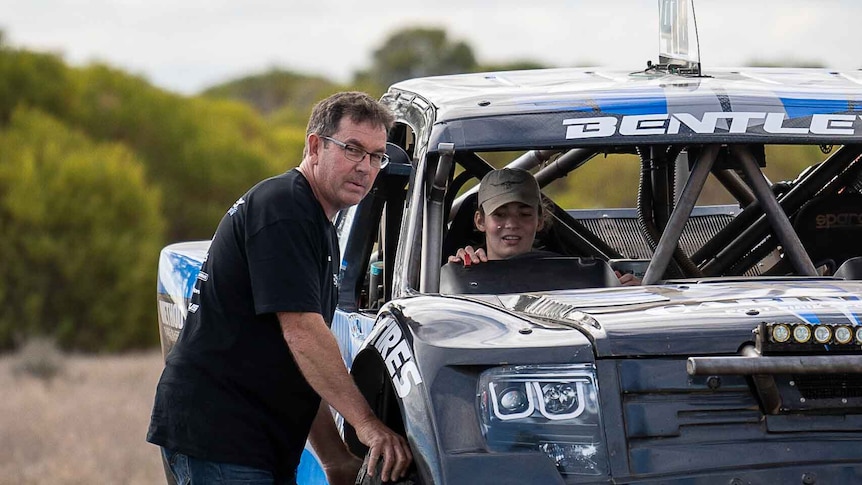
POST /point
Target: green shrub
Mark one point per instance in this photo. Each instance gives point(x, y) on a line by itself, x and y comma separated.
point(203, 153)
point(33, 79)
point(80, 229)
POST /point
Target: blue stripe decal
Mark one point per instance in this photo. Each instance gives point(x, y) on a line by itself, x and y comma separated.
point(633, 106)
point(183, 271)
point(809, 317)
point(652, 102)
point(799, 107)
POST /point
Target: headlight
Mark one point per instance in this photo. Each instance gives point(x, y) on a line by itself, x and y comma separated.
point(551, 409)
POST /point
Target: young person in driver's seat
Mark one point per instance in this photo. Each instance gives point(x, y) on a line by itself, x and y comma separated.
point(510, 214)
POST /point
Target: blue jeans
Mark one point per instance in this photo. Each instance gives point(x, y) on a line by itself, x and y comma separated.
point(188, 470)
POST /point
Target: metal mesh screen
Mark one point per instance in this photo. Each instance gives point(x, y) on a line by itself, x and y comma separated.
point(619, 228)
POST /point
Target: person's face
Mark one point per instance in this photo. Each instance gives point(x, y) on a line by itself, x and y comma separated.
point(339, 182)
point(510, 230)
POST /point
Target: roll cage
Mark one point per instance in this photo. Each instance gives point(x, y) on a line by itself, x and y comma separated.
point(666, 232)
point(762, 221)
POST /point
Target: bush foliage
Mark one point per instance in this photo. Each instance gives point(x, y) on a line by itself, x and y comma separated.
point(98, 171)
point(80, 229)
point(201, 152)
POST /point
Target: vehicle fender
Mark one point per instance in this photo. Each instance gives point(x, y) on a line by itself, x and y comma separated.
point(387, 373)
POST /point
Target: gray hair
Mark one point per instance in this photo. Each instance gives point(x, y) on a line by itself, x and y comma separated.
point(359, 107)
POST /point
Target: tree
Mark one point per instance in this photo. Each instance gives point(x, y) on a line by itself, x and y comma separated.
point(786, 62)
point(32, 79)
point(517, 65)
point(418, 52)
point(275, 90)
point(203, 153)
point(80, 229)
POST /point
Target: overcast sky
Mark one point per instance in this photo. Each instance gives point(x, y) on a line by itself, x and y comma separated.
point(188, 45)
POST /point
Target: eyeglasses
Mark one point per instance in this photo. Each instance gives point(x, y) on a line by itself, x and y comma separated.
point(356, 154)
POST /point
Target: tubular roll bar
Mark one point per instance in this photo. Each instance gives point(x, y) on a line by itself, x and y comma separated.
point(668, 242)
point(750, 226)
point(778, 219)
point(432, 234)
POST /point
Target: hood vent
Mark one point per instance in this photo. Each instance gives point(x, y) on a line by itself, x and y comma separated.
point(549, 308)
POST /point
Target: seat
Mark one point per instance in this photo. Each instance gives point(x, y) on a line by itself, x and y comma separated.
point(397, 155)
point(830, 228)
point(850, 269)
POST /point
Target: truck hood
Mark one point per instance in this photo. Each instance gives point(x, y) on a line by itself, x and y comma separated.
point(704, 317)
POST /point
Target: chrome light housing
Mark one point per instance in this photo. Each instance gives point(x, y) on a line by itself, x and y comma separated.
point(802, 333)
point(552, 409)
point(780, 333)
point(843, 334)
point(822, 334)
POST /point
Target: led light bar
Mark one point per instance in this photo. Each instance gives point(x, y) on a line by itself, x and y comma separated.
point(788, 335)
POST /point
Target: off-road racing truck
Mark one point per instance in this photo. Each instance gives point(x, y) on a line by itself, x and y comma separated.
point(738, 360)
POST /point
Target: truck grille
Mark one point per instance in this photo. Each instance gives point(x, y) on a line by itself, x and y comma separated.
point(836, 386)
point(674, 423)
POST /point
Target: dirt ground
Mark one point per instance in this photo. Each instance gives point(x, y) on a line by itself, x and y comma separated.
point(85, 425)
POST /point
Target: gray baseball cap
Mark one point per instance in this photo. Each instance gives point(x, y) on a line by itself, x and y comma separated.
point(499, 187)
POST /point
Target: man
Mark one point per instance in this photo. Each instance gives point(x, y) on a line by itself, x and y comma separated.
point(510, 213)
point(256, 367)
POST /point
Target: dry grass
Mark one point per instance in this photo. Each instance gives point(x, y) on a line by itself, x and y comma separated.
point(85, 424)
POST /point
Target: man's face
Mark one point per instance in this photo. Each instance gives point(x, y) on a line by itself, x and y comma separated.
point(339, 182)
point(510, 230)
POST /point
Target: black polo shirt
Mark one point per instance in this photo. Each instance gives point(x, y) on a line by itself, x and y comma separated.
point(231, 391)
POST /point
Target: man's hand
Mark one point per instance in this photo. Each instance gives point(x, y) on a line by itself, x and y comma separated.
point(382, 442)
point(469, 256)
point(316, 352)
